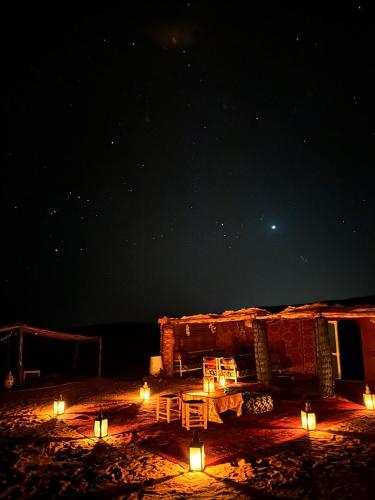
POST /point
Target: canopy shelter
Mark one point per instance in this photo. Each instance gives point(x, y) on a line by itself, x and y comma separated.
point(333, 341)
point(20, 330)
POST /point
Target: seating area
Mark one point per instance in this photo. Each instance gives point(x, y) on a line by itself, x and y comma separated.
point(231, 368)
point(195, 408)
point(234, 367)
point(191, 361)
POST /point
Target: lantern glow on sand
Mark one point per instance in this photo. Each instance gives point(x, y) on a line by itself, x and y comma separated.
point(369, 399)
point(101, 426)
point(208, 384)
point(196, 454)
point(59, 406)
point(144, 392)
point(308, 418)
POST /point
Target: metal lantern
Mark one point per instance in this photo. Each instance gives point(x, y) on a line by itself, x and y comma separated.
point(101, 426)
point(144, 392)
point(208, 384)
point(8, 381)
point(196, 454)
point(222, 381)
point(59, 406)
point(308, 418)
point(369, 399)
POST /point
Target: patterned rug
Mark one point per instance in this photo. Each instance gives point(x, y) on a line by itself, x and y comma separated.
point(223, 442)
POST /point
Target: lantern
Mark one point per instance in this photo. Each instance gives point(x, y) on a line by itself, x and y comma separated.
point(59, 406)
point(101, 426)
point(222, 381)
point(8, 381)
point(308, 418)
point(208, 384)
point(369, 399)
point(196, 454)
point(144, 392)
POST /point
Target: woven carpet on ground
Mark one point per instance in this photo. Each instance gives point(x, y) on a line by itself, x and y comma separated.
point(249, 433)
point(235, 438)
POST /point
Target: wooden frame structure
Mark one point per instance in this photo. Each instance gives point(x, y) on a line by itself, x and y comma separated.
point(22, 329)
point(297, 334)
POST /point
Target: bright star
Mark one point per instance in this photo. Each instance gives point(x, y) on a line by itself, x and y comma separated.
point(273, 227)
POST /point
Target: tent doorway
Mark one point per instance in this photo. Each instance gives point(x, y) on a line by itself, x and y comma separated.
point(346, 349)
point(350, 347)
point(333, 335)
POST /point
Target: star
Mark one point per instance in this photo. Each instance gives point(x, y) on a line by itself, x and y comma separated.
point(273, 227)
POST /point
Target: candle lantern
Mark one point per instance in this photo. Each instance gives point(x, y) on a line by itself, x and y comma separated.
point(9, 381)
point(196, 454)
point(144, 392)
point(369, 399)
point(208, 384)
point(222, 381)
point(101, 426)
point(59, 406)
point(308, 418)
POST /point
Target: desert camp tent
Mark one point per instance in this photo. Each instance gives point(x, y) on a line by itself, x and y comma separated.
point(333, 341)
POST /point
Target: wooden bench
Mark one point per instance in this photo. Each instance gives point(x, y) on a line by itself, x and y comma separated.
point(189, 361)
point(30, 372)
point(235, 367)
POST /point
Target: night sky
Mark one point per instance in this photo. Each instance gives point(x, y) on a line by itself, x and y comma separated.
point(168, 158)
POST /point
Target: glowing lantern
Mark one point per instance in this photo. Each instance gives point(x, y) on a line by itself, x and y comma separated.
point(9, 381)
point(222, 381)
point(101, 426)
point(369, 399)
point(59, 406)
point(308, 418)
point(196, 454)
point(208, 384)
point(144, 392)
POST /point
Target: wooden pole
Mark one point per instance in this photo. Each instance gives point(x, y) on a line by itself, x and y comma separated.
point(8, 360)
point(262, 357)
point(75, 359)
point(20, 357)
point(100, 356)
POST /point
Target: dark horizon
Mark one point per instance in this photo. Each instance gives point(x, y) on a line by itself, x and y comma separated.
point(92, 327)
point(186, 157)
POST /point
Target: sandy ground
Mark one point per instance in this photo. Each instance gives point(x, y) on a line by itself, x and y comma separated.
point(46, 457)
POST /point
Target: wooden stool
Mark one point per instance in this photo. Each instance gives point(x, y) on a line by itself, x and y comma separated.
point(168, 407)
point(194, 414)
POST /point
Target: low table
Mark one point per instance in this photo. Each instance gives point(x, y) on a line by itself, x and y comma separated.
point(217, 403)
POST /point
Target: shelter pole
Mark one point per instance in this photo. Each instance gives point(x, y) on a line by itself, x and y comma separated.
point(324, 358)
point(20, 356)
point(262, 357)
point(100, 356)
point(167, 348)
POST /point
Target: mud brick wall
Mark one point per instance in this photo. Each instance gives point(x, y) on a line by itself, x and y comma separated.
point(234, 337)
point(226, 338)
point(197, 337)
